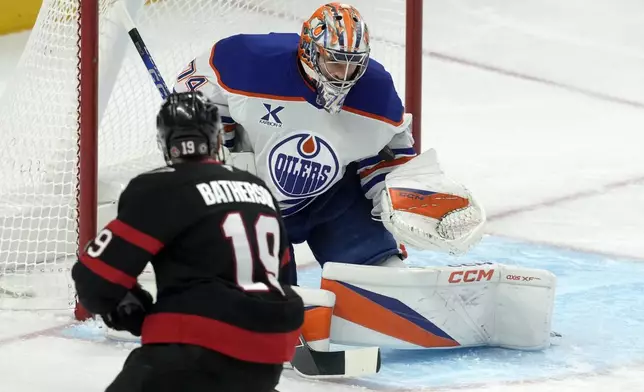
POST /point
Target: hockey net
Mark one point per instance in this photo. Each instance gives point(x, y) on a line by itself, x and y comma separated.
point(40, 113)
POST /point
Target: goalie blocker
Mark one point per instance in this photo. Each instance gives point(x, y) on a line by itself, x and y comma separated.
point(470, 305)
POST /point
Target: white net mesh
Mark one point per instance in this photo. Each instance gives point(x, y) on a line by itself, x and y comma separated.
point(39, 116)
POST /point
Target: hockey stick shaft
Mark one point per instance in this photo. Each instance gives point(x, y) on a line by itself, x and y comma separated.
point(142, 49)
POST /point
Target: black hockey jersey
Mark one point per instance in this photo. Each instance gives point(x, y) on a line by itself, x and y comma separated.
point(217, 243)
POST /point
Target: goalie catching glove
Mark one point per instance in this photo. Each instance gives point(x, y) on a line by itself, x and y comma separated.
point(426, 210)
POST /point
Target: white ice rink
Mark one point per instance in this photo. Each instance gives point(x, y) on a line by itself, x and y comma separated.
point(536, 105)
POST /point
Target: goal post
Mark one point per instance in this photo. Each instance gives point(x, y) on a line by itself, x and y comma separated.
point(414, 66)
point(88, 128)
point(78, 115)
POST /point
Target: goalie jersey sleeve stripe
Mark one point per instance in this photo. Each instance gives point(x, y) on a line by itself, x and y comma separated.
point(371, 161)
point(380, 166)
point(373, 170)
point(374, 185)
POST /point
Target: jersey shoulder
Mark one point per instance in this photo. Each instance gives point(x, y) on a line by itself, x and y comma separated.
point(257, 64)
point(166, 201)
point(150, 180)
point(375, 96)
point(153, 184)
point(170, 186)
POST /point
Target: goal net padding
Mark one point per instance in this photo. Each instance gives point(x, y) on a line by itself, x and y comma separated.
point(39, 117)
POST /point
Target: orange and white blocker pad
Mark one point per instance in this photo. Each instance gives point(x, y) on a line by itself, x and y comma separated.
point(481, 304)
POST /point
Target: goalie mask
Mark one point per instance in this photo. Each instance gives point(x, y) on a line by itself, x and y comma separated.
point(188, 126)
point(334, 51)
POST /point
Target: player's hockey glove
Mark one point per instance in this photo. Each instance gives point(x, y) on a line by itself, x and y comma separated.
point(130, 312)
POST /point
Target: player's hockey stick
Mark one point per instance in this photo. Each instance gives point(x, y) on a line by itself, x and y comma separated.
point(309, 363)
point(142, 49)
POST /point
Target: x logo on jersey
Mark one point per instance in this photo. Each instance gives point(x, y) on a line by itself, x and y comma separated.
point(272, 113)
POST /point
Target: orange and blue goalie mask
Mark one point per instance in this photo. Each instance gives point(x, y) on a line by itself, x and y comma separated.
point(334, 46)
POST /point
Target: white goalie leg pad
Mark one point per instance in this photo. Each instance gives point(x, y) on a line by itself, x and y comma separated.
point(317, 316)
point(424, 209)
point(484, 304)
point(524, 306)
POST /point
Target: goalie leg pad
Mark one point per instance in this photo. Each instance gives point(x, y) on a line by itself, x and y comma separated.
point(481, 304)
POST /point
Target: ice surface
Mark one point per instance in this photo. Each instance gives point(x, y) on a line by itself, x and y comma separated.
point(538, 107)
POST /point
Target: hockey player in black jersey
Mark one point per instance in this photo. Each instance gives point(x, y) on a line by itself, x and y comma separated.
point(222, 320)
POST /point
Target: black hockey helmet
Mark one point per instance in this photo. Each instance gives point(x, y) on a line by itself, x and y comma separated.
point(188, 125)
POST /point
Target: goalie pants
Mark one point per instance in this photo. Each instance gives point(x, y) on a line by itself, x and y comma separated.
point(338, 226)
point(186, 368)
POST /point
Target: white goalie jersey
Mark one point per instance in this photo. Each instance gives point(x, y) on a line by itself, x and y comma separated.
point(269, 108)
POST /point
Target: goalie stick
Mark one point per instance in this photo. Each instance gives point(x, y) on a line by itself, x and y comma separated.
point(309, 363)
point(142, 49)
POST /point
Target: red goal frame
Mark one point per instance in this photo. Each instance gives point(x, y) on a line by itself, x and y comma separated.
point(88, 108)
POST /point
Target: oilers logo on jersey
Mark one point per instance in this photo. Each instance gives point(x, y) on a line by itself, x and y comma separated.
point(303, 165)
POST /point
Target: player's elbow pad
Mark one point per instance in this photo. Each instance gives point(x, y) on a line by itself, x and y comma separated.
point(96, 295)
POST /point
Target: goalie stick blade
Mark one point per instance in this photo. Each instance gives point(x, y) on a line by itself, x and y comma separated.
point(309, 363)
